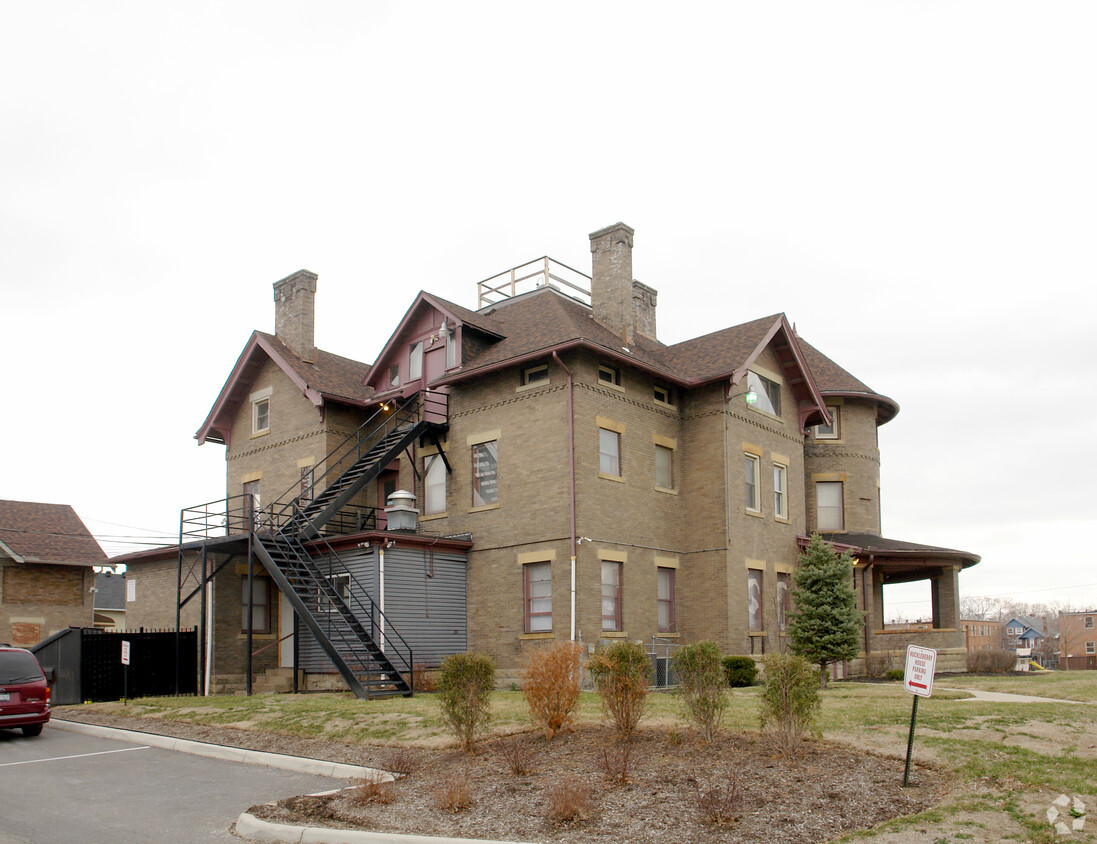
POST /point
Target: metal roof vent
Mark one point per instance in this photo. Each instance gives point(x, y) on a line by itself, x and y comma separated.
point(402, 512)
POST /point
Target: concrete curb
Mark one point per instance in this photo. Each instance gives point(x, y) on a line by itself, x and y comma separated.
point(253, 829)
point(298, 764)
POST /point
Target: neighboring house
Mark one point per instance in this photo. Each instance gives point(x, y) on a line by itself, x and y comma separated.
point(110, 601)
point(46, 571)
point(1078, 640)
point(982, 634)
point(583, 480)
point(1028, 638)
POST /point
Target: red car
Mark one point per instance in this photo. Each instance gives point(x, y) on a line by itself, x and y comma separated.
point(24, 692)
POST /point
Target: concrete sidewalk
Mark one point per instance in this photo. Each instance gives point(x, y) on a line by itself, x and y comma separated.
point(1003, 697)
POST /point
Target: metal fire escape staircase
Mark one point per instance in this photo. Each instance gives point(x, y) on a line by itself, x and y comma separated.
point(370, 655)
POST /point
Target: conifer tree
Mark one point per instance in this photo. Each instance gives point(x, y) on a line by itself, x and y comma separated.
point(825, 624)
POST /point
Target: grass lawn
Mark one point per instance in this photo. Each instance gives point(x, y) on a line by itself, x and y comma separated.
point(1009, 759)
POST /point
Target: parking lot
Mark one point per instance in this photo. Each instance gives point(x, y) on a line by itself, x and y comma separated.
point(65, 786)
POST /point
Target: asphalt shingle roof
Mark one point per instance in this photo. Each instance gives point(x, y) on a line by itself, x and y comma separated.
point(332, 375)
point(50, 533)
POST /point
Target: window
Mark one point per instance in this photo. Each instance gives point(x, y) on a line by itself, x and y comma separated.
point(783, 600)
point(663, 395)
point(754, 600)
point(415, 364)
point(485, 473)
point(306, 485)
point(1088, 624)
point(665, 592)
point(609, 452)
point(1089, 647)
point(260, 416)
point(780, 491)
point(451, 351)
point(535, 375)
point(434, 485)
point(394, 376)
point(832, 431)
point(609, 375)
point(768, 392)
point(754, 501)
point(341, 584)
point(538, 597)
point(260, 605)
point(828, 505)
point(664, 467)
point(611, 596)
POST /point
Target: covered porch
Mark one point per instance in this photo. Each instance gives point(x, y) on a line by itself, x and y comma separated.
point(878, 562)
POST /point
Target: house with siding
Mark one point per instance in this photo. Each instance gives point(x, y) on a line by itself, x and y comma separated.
point(47, 560)
point(581, 479)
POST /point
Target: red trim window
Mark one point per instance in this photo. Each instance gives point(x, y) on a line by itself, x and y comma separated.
point(537, 579)
point(611, 596)
point(665, 588)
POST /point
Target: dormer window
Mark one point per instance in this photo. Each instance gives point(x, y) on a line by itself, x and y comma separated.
point(394, 376)
point(415, 363)
point(768, 393)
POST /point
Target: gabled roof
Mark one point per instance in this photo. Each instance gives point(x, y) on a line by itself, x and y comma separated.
point(833, 380)
point(47, 533)
point(331, 378)
point(110, 591)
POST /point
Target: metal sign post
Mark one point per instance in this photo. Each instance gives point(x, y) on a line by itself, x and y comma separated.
point(918, 680)
point(125, 672)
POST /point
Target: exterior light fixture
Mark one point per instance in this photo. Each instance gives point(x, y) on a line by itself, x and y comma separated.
point(443, 332)
point(751, 397)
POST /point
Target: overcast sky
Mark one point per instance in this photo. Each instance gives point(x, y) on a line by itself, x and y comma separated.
point(912, 183)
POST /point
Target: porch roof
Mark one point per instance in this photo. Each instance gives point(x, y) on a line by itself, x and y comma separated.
point(900, 560)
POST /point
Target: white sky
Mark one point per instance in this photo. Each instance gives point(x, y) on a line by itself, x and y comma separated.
point(913, 183)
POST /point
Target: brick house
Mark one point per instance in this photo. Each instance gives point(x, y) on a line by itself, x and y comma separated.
point(1078, 640)
point(591, 482)
point(46, 571)
point(982, 634)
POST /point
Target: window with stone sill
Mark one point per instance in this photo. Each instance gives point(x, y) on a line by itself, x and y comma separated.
point(751, 470)
point(537, 588)
point(260, 604)
point(768, 393)
point(609, 375)
point(535, 375)
point(611, 596)
point(664, 467)
point(833, 431)
point(260, 416)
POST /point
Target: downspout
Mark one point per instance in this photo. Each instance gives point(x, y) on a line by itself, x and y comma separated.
point(571, 458)
point(381, 594)
point(864, 601)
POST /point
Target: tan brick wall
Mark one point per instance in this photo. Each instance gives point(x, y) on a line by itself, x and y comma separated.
point(155, 592)
point(855, 460)
point(40, 600)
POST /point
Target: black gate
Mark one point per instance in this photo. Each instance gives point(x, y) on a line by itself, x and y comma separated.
point(153, 668)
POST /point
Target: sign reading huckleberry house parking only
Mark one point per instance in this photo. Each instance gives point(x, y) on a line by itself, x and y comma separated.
point(918, 677)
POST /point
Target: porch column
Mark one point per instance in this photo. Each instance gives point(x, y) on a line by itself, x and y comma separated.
point(877, 617)
point(945, 593)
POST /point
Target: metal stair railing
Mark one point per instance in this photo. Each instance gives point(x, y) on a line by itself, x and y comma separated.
point(347, 467)
point(347, 627)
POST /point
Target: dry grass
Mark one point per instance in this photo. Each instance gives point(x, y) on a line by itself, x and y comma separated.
point(720, 800)
point(568, 802)
point(369, 791)
point(454, 794)
point(517, 755)
point(616, 762)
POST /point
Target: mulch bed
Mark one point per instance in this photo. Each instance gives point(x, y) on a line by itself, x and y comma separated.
point(674, 789)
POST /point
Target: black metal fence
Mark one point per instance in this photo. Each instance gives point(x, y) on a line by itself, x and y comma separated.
point(86, 664)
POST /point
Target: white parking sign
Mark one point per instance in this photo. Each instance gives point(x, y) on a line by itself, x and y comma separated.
point(918, 678)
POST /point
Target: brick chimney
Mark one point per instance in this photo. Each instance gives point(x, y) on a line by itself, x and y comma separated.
point(294, 313)
point(621, 303)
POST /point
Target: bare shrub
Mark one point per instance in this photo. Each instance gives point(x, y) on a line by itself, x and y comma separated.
point(991, 661)
point(616, 762)
point(876, 664)
point(622, 674)
point(424, 679)
point(702, 684)
point(790, 700)
point(551, 683)
point(517, 755)
point(719, 801)
point(399, 761)
point(454, 794)
point(371, 791)
point(465, 683)
point(568, 802)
